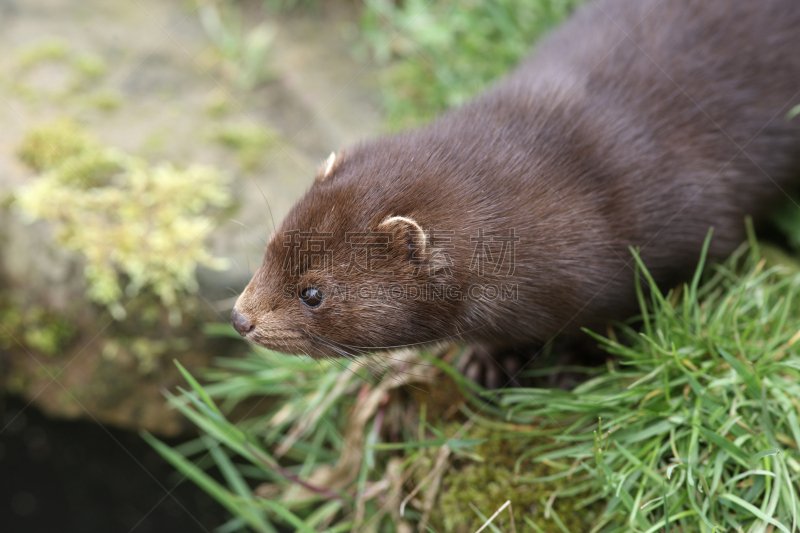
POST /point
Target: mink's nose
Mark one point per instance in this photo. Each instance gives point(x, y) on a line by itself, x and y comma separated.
point(240, 323)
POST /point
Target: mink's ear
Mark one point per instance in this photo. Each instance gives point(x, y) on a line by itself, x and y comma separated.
point(327, 168)
point(406, 231)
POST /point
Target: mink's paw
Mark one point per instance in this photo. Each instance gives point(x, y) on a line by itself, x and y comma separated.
point(491, 367)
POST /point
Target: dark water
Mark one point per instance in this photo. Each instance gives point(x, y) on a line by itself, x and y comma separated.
point(64, 477)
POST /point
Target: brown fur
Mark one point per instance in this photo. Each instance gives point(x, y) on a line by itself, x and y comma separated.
point(600, 141)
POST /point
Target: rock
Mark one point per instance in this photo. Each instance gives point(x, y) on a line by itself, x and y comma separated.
point(148, 81)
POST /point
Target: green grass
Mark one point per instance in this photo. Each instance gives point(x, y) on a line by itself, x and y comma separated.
point(436, 55)
point(697, 423)
point(692, 427)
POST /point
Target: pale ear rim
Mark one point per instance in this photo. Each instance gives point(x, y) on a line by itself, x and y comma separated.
point(420, 240)
point(327, 168)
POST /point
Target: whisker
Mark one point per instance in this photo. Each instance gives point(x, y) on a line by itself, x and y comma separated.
point(385, 370)
point(234, 291)
point(364, 362)
point(250, 229)
point(341, 366)
point(268, 206)
point(224, 305)
point(373, 355)
point(350, 357)
point(450, 337)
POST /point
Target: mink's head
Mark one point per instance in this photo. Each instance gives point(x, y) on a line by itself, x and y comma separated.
point(347, 272)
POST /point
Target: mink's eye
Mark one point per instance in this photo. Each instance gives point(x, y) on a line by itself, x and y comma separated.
point(311, 296)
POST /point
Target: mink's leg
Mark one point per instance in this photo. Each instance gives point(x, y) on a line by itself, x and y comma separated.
point(492, 367)
point(496, 367)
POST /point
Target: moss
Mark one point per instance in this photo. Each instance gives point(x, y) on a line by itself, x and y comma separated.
point(146, 351)
point(17, 381)
point(45, 148)
point(36, 328)
point(155, 142)
point(85, 70)
point(11, 319)
point(217, 104)
point(7, 201)
point(486, 485)
point(89, 66)
point(21, 90)
point(43, 372)
point(250, 143)
point(47, 50)
point(47, 333)
point(139, 228)
point(105, 101)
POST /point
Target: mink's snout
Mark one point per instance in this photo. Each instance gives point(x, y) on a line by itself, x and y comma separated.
point(240, 323)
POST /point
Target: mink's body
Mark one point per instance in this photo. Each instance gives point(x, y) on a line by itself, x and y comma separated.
point(637, 123)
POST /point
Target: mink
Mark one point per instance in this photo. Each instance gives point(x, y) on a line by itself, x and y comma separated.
point(509, 220)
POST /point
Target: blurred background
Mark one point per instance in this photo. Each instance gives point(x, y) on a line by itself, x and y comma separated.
point(146, 150)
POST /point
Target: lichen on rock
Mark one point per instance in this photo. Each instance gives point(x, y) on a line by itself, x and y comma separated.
point(138, 227)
